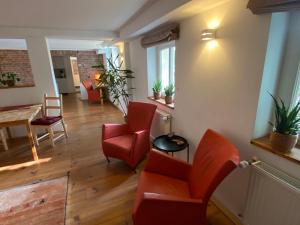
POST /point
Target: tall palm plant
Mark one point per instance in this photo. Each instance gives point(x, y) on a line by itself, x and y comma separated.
point(115, 78)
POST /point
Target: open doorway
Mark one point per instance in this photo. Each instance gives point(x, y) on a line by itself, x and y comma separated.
point(73, 62)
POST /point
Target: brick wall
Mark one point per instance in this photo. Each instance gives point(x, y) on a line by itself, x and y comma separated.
point(85, 61)
point(17, 61)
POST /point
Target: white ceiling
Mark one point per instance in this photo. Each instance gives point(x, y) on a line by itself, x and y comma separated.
point(68, 14)
point(54, 44)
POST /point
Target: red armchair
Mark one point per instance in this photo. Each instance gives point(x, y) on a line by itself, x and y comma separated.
point(93, 94)
point(171, 191)
point(131, 141)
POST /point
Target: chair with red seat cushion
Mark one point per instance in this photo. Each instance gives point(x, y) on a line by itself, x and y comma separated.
point(171, 191)
point(93, 94)
point(131, 141)
point(49, 122)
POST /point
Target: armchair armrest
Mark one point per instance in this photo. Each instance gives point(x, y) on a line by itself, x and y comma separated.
point(113, 130)
point(163, 164)
point(141, 144)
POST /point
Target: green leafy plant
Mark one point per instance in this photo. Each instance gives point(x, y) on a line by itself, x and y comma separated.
point(115, 79)
point(157, 87)
point(9, 79)
point(286, 118)
point(169, 90)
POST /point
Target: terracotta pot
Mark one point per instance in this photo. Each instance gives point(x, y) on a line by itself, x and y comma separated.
point(168, 99)
point(282, 142)
point(156, 95)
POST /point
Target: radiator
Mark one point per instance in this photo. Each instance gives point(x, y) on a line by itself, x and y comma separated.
point(273, 197)
point(161, 123)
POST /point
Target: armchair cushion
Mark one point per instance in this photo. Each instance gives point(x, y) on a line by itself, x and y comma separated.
point(161, 185)
point(120, 144)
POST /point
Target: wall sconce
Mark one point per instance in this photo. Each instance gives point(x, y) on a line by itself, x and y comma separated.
point(208, 34)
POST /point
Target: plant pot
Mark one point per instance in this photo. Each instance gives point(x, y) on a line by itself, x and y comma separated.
point(10, 83)
point(156, 95)
point(168, 99)
point(282, 142)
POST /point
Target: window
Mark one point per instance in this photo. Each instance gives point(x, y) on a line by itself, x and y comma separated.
point(167, 64)
point(161, 66)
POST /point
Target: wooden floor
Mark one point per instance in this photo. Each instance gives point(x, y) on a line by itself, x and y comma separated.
point(98, 193)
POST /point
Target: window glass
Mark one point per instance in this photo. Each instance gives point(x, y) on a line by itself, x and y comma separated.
point(172, 66)
point(165, 66)
point(296, 92)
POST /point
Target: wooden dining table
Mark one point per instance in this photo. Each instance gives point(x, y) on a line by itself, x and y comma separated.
point(22, 115)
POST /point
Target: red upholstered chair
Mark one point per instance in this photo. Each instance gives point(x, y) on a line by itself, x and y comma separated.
point(171, 191)
point(93, 94)
point(131, 141)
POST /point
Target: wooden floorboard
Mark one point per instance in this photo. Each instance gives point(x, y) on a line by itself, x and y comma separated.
point(98, 193)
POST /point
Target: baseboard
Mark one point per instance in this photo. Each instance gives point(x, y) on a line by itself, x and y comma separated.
point(236, 220)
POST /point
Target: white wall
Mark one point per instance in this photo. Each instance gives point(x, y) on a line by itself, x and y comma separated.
point(219, 88)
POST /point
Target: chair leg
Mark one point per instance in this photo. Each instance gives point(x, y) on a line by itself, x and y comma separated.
point(51, 136)
point(107, 159)
point(35, 136)
point(3, 138)
point(65, 128)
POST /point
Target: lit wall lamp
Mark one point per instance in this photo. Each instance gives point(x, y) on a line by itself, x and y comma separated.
point(208, 34)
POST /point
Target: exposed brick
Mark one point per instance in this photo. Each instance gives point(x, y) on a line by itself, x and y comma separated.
point(17, 61)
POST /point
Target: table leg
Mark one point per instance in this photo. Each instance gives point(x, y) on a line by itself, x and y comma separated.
point(101, 94)
point(31, 142)
point(8, 132)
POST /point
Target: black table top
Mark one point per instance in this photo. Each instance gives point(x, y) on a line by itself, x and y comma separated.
point(170, 144)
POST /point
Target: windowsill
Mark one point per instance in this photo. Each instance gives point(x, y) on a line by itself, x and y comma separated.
point(162, 102)
point(264, 143)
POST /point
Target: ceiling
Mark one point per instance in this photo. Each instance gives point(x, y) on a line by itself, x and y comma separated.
point(68, 14)
point(54, 44)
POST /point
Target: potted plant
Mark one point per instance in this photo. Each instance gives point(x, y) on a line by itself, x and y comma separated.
point(286, 128)
point(169, 91)
point(115, 79)
point(157, 89)
point(9, 79)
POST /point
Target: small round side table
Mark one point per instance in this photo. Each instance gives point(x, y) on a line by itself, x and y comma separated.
point(172, 144)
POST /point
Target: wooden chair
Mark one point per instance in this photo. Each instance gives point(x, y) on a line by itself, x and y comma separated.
point(3, 138)
point(49, 122)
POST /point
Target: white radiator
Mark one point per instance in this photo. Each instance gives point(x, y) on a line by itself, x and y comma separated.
point(161, 123)
point(273, 197)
